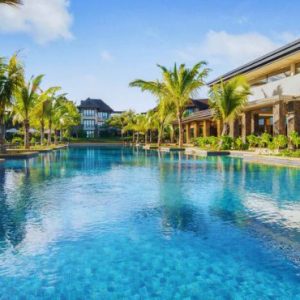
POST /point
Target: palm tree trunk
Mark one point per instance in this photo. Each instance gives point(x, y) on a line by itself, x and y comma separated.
point(146, 137)
point(2, 135)
point(225, 130)
point(159, 137)
point(172, 135)
point(181, 130)
point(49, 134)
point(55, 137)
point(26, 134)
point(60, 135)
point(150, 136)
point(42, 131)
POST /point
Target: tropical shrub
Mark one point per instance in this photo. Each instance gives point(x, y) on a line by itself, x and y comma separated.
point(17, 140)
point(265, 139)
point(238, 144)
point(226, 142)
point(294, 139)
point(213, 142)
point(279, 142)
point(201, 142)
point(290, 153)
point(253, 140)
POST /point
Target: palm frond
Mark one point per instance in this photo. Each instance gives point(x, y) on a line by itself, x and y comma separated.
point(11, 2)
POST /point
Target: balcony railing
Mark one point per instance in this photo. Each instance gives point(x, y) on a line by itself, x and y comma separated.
point(289, 86)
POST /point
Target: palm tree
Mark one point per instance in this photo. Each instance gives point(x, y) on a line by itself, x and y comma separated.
point(151, 125)
point(177, 86)
point(26, 99)
point(65, 116)
point(227, 99)
point(40, 109)
point(11, 79)
point(124, 122)
point(164, 115)
point(120, 121)
point(11, 2)
point(51, 105)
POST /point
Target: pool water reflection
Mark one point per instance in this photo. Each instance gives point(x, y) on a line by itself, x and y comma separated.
point(120, 223)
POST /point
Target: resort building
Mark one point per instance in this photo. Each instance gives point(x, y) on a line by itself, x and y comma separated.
point(274, 103)
point(94, 113)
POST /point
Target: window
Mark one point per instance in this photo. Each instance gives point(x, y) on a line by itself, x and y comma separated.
point(88, 124)
point(90, 134)
point(89, 112)
point(103, 115)
point(261, 122)
point(297, 68)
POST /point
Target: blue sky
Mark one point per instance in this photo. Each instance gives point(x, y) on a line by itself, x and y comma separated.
point(95, 48)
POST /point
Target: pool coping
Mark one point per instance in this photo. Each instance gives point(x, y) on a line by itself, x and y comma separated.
point(22, 155)
point(98, 144)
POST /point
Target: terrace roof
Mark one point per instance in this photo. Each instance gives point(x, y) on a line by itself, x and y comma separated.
point(266, 59)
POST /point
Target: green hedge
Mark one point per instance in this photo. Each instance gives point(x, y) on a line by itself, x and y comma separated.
point(220, 143)
point(278, 142)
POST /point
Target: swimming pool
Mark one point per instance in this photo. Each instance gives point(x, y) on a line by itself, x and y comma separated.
point(121, 223)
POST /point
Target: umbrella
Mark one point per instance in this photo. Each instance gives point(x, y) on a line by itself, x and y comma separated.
point(12, 130)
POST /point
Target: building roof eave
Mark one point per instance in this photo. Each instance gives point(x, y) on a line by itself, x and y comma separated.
point(283, 51)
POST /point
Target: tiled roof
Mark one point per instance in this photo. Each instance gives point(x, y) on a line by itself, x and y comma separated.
point(95, 104)
point(199, 103)
point(199, 116)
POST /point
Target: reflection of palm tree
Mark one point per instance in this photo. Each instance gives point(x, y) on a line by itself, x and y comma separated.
point(13, 218)
point(177, 213)
point(229, 205)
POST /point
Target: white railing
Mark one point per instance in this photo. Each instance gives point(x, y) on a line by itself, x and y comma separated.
point(289, 86)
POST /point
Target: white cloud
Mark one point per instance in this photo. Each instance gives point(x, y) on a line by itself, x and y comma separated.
point(45, 20)
point(106, 56)
point(225, 48)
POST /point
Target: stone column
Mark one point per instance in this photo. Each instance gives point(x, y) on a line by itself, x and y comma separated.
point(196, 130)
point(206, 128)
point(293, 118)
point(246, 125)
point(279, 118)
point(187, 133)
point(234, 128)
point(293, 69)
point(254, 123)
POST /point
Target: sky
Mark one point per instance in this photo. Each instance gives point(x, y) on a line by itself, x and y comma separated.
point(95, 48)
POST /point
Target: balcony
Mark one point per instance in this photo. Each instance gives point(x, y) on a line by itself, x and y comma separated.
point(289, 86)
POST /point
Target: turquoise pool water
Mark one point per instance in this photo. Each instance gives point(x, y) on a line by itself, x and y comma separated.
point(104, 223)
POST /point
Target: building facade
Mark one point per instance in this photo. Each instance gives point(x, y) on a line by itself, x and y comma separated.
point(274, 103)
point(94, 113)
